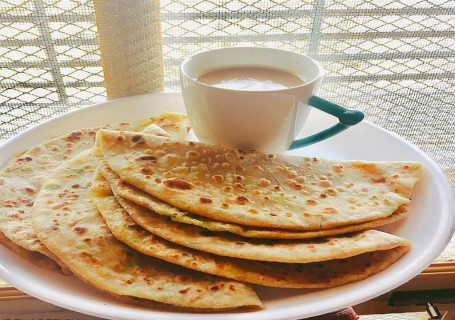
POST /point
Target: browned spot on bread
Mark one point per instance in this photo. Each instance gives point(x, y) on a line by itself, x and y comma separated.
point(88, 256)
point(379, 180)
point(217, 178)
point(325, 183)
point(24, 159)
point(258, 168)
point(242, 200)
point(75, 135)
point(205, 200)
point(295, 185)
point(239, 178)
point(148, 159)
point(330, 210)
point(277, 188)
point(192, 155)
point(80, 230)
point(239, 186)
point(146, 170)
point(177, 183)
point(29, 190)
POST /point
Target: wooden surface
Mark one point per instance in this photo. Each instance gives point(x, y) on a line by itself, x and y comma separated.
point(14, 304)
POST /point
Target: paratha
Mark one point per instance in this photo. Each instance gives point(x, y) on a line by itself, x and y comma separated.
point(285, 275)
point(258, 189)
point(276, 250)
point(21, 180)
point(69, 224)
point(35, 257)
point(133, 194)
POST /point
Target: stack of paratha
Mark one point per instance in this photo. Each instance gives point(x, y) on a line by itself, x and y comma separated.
point(148, 216)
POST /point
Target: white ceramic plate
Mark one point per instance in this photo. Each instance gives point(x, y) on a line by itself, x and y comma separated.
point(429, 226)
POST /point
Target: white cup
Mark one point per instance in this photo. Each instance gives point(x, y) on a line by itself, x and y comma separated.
point(266, 120)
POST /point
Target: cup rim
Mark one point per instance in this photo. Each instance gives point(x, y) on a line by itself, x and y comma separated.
point(305, 84)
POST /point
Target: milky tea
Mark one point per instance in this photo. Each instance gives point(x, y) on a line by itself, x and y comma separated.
point(250, 78)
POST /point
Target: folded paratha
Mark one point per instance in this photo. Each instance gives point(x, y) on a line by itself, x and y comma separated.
point(285, 275)
point(133, 194)
point(21, 180)
point(70, 226)
point(258, 189)
point(289, 251)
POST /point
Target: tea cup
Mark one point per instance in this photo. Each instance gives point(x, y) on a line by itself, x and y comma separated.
point(264, 118)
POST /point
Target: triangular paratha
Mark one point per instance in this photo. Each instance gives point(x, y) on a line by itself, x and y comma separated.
point(133, 194)
point(258, 189)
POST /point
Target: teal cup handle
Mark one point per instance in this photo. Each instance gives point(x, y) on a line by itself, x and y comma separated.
point(346, 117)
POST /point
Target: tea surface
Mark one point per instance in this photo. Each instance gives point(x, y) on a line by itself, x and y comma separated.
point(250, 78)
